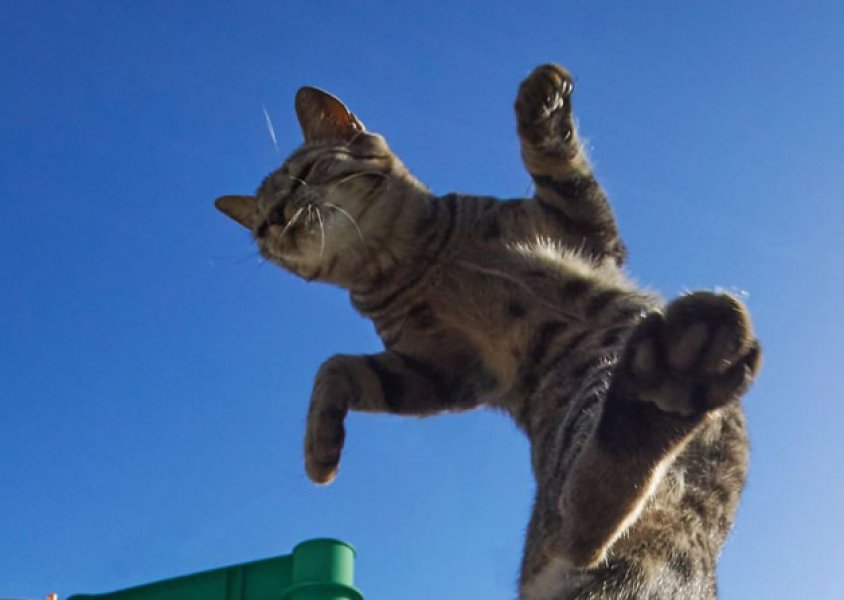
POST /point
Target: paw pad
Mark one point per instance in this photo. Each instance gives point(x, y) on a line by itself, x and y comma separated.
point(543, 106)
point(697, 356)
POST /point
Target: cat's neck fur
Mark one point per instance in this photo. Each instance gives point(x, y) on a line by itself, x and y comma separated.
point(405, 253)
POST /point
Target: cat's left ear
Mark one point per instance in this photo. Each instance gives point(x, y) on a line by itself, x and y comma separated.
point(242, 209)
point(324, 118)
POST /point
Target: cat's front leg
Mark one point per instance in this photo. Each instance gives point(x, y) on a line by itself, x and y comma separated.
point(388, 382)
point(569, 201)
point(676, 370)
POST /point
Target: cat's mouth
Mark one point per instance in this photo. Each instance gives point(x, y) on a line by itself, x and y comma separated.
point(289, 233)
point(281, 241)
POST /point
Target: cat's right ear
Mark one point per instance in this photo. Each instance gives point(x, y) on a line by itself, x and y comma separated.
point(324, 118)
point(240, 208)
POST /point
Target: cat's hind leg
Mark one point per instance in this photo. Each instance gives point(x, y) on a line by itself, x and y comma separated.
point(695, 358)
point(677, 368)
point(570, 202)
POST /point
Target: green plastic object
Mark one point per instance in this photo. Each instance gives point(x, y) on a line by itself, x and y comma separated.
point(320, 569)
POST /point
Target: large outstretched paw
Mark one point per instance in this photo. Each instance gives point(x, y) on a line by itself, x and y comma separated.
point(543, 106)
point(696, 357)
point(326, 432)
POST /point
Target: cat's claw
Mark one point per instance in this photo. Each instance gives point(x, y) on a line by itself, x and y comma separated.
point(543, 106)
point(696, 357)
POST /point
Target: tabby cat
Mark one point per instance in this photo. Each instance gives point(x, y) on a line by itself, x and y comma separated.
point(638, 442)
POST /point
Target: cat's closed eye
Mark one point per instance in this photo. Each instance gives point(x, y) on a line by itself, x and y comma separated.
point(301, 178)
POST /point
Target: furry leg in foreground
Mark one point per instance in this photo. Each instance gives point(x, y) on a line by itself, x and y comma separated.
point(676, 369)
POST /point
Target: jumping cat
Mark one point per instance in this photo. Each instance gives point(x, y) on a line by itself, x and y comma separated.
point(638, 442)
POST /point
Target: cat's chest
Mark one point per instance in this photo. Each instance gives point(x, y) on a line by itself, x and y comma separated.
point(515, 315)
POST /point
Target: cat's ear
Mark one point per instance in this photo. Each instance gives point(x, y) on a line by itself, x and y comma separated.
point(240, 208)
point(324, 118)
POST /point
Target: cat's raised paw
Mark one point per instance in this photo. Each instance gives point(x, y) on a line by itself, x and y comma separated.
point(696, 357)
point(543, 106)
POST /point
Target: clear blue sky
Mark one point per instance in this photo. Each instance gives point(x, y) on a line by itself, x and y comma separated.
point(154, 379)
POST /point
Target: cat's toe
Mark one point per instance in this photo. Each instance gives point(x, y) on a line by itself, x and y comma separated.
point(706, 333)
point(733, 382)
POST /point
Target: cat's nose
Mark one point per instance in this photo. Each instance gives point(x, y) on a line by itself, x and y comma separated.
point(275, 217)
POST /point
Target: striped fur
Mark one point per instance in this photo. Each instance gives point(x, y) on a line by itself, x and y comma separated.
point(638, 444)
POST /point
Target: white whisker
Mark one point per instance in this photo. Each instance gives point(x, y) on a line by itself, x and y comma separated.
point(345, 213)
point(237, 259)
point(270, 128)
point(251, 256)
point(290, 223)
point(529, 189)
point(321, 230)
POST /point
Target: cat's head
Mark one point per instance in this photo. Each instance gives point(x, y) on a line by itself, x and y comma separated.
point(330, 205)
